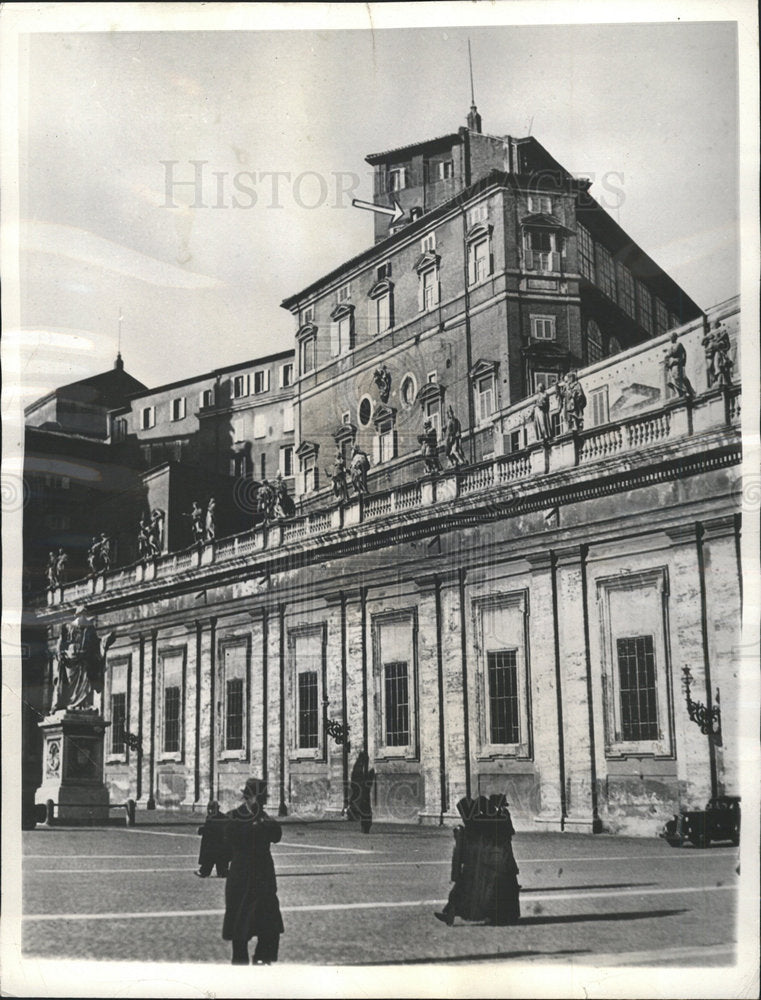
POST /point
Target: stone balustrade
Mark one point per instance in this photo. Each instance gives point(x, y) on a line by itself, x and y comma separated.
point(715, 410)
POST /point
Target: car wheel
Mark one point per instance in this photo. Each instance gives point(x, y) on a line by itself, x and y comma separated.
point(699, 840)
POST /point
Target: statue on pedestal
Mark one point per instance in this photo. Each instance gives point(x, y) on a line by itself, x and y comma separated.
point(338, 477)
point(360, 464)
point(81, 664)
point(52, 570)
point(196, 516)
point(541, 414)
point(143, 539)
point(211, 526)
point(60, 567)
point(574, 402)
point(156, 533)
point(709, 346)
point(283, 501)
point(723, 363)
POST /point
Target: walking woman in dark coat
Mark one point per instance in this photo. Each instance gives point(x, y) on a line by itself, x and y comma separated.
point(252, 908)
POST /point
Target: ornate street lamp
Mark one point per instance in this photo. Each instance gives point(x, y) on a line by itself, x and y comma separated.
point(709, 719)
point(339, 731)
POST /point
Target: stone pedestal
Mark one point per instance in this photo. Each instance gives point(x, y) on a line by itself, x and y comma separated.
point(72, 770)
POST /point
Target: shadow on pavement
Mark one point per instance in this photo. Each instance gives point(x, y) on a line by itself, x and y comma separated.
point(589, 885)
point(483, 957)
point(574, 918)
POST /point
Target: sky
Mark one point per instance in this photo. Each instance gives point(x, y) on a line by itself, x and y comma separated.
point(110, 120)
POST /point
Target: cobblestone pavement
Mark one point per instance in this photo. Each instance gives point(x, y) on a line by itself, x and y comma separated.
point(349, 899)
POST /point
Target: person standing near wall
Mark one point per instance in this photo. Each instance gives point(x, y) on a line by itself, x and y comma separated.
point(252, 908)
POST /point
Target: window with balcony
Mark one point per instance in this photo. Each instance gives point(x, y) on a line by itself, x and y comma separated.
point(545, 378)
point(543, 327)
point(544, 250)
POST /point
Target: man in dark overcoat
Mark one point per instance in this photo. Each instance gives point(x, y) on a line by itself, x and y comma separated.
point(252, 908)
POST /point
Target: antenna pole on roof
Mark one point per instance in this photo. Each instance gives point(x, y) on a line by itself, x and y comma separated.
point(119, 363)
point(474, 119)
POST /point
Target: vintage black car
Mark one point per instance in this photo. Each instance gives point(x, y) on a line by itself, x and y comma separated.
point(720, 820)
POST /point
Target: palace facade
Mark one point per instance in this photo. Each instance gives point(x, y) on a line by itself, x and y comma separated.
point(537, 621)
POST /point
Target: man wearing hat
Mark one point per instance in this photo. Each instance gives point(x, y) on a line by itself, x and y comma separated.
point(252, 908)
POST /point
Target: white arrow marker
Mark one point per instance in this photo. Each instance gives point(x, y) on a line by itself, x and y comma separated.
point(396, 212)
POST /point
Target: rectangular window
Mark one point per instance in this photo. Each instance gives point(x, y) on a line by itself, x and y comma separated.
point(636, 669)
point(148, 417)
point(307, 315)
point(308, 710)
point(546, 378)
point(240, 386)
point(380, 315)
point(645, 303)
point(446, 170)
point(234, 714)
point(260, 425)
point(310, 474)
point(485, 394)
point(171, 719)
point(478, 261)
point(386, 445)
point(429, 289)
point(428, 243)
point(586, 254)
point(172, 668)
point(341, 335)
point(286, 375)
point(178, 408)
point(433, 413)
point(626, 291)
point(262, 466)
point(397, 702)
point(383, 271)
point(286, 461)
point(307, 355)
point(207, 399)
point(516, 440)
point(238, 466)
point(118, 721)
point(606, 271)
point(287, 417)
point(504, 717)
point(540, 203)
point(661, 317)
point(397, 179)
point(119, 430)
point(543, 250)
point(598, 400)
point(478, 213)
point(344, 293)
point(261, 381)
point(543, 327)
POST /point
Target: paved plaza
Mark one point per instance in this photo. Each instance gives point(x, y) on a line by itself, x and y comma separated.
point(347, 899)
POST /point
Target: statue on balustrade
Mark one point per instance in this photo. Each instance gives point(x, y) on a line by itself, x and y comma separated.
point(52, 570)
point(60, 567)
point(285, 506)
point(196, 516)
point(453, 440)
point(338, 477)
point(429, 442)
point(265, 501)
point(156, 533)
point(81, 664)
point(574, 402)
point(382, 378)
point(360, 465)
point(104, 552)
point(211, 526)
point(143, 538)
point(541, 414)
point(709, 346)
point(723, 363)
point(676, 361)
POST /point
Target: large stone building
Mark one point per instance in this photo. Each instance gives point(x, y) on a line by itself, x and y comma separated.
point(520, 623)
